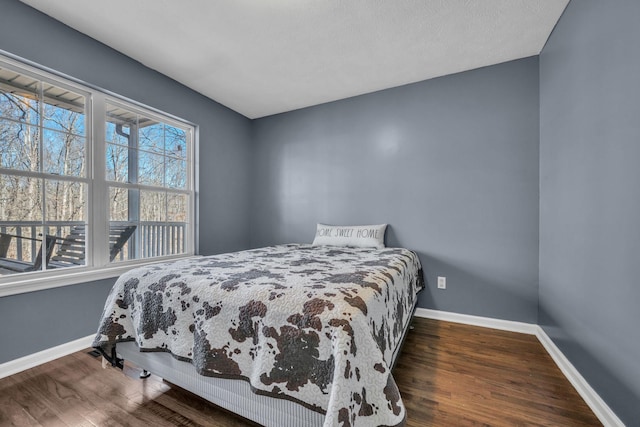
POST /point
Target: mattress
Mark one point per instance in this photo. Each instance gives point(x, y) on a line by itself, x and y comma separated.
point(233, 395)
point(318, 327)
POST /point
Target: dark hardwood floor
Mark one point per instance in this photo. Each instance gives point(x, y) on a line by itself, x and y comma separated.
point(458, 375)
point(448, 375)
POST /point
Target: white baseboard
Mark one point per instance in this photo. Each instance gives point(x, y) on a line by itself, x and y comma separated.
point(485, 322)
point(601, 410)
point(595, 402)
point(23, 363)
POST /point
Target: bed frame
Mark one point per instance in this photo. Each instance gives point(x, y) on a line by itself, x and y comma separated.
point(233, 395)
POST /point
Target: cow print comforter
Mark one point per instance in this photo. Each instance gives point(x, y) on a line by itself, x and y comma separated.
point(317, 325)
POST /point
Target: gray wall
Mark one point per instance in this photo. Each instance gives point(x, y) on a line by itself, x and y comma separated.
point(36, 321)
point(590, 196)
point(450, 163)
point(224, 163)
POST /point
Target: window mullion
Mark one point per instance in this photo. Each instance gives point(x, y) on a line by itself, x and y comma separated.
point(43, 182)
point(99, 207)
point(193, 168)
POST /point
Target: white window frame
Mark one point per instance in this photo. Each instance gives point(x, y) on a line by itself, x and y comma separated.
point(190, 131)
point(96, 252)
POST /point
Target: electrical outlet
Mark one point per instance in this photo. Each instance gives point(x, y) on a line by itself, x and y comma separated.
point(442, 282)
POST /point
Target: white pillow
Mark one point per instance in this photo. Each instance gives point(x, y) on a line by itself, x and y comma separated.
point(363, 236)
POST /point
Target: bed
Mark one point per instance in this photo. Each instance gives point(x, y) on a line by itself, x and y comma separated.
point(311, 332)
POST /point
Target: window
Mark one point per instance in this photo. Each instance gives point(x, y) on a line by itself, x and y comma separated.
point(87, 180)
point(146, 169)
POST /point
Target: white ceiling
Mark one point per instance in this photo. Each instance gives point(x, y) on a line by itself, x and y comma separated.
point(262, 57)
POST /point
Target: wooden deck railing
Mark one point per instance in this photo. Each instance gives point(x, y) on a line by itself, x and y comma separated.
point(151, 239)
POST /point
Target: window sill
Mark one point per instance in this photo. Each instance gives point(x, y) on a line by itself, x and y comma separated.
point(65, 277)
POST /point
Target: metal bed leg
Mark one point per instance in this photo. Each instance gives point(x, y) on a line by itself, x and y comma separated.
point(145, 374)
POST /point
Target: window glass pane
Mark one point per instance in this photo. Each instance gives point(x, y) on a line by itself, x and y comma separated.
point(117, 163)
point(119, 124)
point(153, 206)
point(117, 133)
point(20, 199)
point(176, 141)
point(151, 136)
point(19, 146)
point(19, 97)
point(127, 251)
point(174, 237)
point(63, 153)
point(71, 244)
point(24, 243)
point(123, 211)
point(177, 207)
point(77, 229)
point(118, 204)
point(176, 173)
point(63, 110)
point(66, 200)
point(150, 169)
